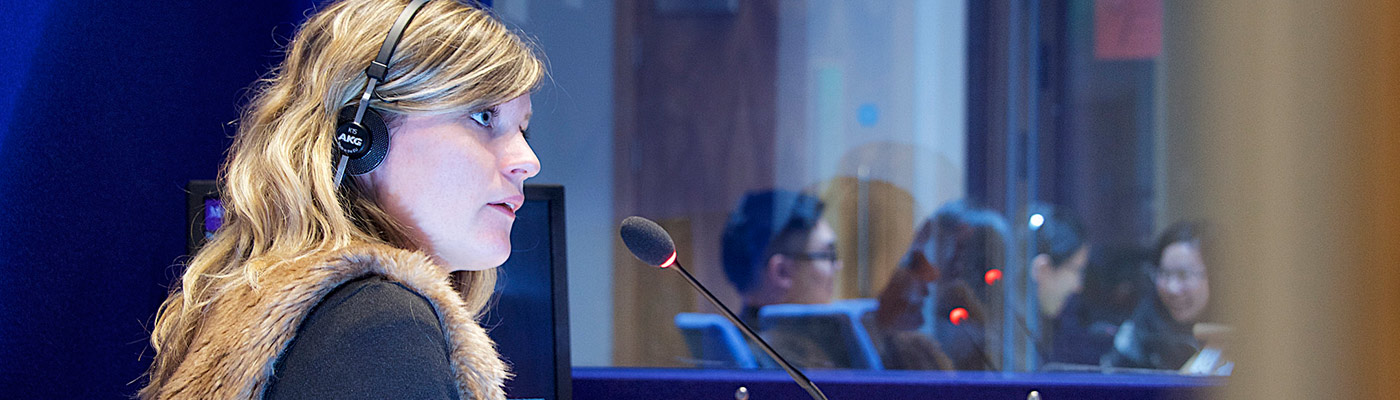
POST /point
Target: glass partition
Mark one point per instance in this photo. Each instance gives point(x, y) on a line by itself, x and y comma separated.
point(925, 185)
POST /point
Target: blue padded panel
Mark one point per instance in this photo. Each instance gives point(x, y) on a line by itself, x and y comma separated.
point(835, 327)
point(714, 342)
point(640, 383)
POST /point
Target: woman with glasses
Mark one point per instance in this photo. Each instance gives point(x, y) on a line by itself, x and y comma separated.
point(1159, 335)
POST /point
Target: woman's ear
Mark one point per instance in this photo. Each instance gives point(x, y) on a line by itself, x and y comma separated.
point(1041, 267)
point(367, 183)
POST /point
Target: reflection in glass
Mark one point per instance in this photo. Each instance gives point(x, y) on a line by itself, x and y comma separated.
point(904, 185)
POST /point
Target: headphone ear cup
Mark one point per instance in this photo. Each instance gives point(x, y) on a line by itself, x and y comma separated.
point(378, 138)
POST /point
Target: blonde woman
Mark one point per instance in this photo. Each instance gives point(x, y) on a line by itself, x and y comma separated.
point(321, 288)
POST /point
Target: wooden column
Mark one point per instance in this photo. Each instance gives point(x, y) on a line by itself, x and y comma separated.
point(1285, 127)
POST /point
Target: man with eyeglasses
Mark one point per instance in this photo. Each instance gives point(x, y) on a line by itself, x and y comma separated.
point(778, 250)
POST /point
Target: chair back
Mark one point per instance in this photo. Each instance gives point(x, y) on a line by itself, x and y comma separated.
point(714, 342)
point(836, 327)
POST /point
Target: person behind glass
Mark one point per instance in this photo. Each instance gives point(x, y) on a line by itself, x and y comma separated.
point(1057, 268)
point(314, 289)
point(1113, 284)
point(968, 338)
point(1160, 333)
point(778, 250)
point(953, 248)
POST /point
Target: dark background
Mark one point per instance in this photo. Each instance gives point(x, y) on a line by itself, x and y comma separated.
point(107, 109)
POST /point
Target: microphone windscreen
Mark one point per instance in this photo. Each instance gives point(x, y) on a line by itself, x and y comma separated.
point(647, 241)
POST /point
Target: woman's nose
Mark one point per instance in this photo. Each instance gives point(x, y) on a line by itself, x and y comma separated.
point(520, 160)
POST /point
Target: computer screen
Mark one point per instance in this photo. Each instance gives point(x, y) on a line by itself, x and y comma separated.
point(528, 319)
point(205, 212)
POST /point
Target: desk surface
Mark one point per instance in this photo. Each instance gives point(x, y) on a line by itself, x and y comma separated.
point(648, 383)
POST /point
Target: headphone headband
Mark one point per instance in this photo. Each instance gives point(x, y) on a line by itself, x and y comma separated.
point(380, 66)
point(362, 140)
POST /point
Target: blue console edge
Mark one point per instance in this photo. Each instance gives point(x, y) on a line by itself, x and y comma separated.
point(663, 383)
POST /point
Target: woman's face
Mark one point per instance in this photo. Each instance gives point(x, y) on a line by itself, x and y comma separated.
point(1181, 281)
point(1055, 284)
point(456, 181)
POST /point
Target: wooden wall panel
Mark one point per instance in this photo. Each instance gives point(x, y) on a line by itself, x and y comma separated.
point(648, 303)
point(695, 130)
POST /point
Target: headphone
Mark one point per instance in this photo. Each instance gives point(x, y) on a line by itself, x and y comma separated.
point(361, 137)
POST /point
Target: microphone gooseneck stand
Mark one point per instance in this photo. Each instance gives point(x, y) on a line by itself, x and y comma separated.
point(651, 244)
point(791, 370)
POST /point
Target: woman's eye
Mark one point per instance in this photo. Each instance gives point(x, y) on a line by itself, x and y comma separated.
point(483, 117)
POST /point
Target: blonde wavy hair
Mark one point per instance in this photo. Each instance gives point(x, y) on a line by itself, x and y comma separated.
point(277, 185)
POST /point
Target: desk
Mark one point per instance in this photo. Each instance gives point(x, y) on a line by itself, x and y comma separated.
point(648, 383)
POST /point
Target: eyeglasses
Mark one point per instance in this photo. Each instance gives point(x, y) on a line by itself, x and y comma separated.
point(828, 255)
point(1184, 276)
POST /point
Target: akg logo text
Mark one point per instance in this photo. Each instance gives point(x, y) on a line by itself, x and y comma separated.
point(350, 139)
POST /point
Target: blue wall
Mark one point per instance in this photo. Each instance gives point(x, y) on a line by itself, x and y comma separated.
point(106, 110)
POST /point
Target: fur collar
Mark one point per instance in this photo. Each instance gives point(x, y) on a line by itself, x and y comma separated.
point(247, 329)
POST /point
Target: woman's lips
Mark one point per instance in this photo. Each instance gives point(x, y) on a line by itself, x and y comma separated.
point(505, 208)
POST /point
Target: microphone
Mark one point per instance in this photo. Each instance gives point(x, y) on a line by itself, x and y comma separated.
point(969, 308)
point(652, 245)
point(992, 278)
point(959, 314)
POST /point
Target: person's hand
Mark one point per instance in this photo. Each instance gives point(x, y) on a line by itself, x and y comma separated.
point(901, 302)
point(920, 268)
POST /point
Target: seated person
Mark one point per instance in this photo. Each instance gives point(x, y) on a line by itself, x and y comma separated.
point(1159, 334)
point(1113, 284)
point(980, 247)
point(778, 250)
point(950, 247)
point(958, 246)
point(895, 328)
point(1057, 268)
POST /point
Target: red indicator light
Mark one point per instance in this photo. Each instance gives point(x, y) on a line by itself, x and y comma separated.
point(993, 276)
point(958, 315)
point(669, 261)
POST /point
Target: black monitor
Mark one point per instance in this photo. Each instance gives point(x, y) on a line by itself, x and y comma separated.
point(205, 212)
point(529, 319)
